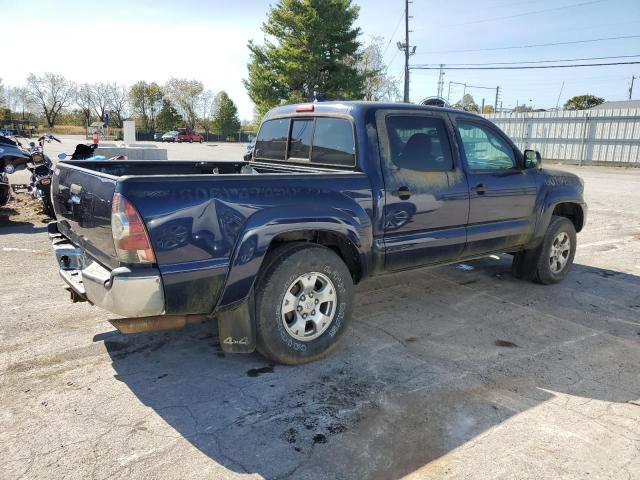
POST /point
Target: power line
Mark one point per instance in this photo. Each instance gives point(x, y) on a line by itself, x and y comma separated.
point(534, 45)
point(414, 67)
point(393, 34)
point(534, 12)
point(532, 61)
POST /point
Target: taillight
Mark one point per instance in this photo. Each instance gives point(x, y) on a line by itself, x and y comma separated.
point(129, 234)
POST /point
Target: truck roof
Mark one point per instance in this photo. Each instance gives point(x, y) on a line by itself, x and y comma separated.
point(355, 107)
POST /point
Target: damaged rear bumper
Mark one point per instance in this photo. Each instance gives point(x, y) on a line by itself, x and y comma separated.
point(123, 291)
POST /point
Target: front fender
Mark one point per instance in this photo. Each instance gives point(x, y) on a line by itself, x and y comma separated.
point(262, 227)
point(556, 190)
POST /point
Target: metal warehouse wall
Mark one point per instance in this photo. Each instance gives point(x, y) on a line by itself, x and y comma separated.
point(583, 137)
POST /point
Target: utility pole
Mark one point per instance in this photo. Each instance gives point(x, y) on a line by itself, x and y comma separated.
point(559, 95)
point(633, 77)
point(408, 50)
point(495, 107)
point(441, 80)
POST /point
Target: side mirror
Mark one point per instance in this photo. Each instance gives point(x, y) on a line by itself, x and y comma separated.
point(62, 156)
point(532, 159)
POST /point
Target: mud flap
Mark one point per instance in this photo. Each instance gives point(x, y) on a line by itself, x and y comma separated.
point(236, 327)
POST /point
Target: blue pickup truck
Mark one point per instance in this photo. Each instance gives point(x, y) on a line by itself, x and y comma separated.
point(333, 193)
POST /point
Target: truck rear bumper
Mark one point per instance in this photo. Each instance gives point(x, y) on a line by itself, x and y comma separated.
point(123, 291)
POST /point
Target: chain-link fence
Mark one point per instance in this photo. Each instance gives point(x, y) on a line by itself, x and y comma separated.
point(242, 136)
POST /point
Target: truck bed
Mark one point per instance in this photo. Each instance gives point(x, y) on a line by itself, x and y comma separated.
point(195, 212)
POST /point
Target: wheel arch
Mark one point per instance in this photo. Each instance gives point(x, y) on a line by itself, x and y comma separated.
point(571, 210)
point(349, 236)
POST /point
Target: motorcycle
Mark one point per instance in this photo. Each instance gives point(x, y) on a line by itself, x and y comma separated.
point(87, 152)
point(15, 157)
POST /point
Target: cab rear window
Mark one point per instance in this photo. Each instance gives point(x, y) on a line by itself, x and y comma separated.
point(316, 140)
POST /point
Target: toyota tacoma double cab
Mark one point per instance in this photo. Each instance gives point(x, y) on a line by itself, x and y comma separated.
point(333, 193)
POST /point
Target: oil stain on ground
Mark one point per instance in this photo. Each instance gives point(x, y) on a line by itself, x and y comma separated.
point(255, 372)
point(505, 343)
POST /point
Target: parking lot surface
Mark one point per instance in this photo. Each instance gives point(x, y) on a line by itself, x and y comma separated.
point(444, 373)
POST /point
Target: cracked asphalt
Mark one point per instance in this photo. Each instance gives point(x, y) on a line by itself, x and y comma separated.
point(444, 373)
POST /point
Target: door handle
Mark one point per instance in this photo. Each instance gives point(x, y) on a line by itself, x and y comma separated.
point(479, 189)
point(403, 193)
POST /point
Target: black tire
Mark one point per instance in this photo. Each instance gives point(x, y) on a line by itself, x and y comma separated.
point(48, 207)
point(5, 196)
point(191, 140)
point(281, 268)
point(536, 264)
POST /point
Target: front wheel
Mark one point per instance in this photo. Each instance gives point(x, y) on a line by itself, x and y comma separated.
point(47, 205)
point(303, 304)
point(551, 261)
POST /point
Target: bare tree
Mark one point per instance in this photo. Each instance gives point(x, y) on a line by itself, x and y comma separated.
point(51, 93)
point(83, 99)
point(2, 95)
point(378, 84)
point(185, 95)
point(118, 96)
point(99, 99)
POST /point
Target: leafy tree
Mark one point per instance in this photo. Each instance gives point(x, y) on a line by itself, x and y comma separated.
point(523, 108)
point(185, 95)
point(225, 117)
point(312, 46)
point(378, 84)
point(19, 102)
point(168, 118)
point(206, 108)
point(145, 99)
point(582, 102)
point(488, 109)
point(51, 93)
point(2, 95)
point(467, 103)
point(72, 117)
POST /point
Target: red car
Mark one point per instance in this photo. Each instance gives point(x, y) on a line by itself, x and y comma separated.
point(188, 136)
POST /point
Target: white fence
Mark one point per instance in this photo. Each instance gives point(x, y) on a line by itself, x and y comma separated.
point(583, 136)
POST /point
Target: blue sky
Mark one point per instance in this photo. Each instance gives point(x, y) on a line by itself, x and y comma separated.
point(153, 40)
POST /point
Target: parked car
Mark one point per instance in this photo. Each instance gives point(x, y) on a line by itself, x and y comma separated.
point(189, 136)
point(157, 137)
point(334, 193)
point(169, 136)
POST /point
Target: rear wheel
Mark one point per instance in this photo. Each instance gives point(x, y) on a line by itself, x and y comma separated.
point(303, 303)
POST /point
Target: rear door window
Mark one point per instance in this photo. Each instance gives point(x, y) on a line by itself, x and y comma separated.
point(333, 142)
point(419, 143)
point(271, 143)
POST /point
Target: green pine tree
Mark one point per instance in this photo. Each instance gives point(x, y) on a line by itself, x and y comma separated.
point(225, 117)
point(311, 46)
